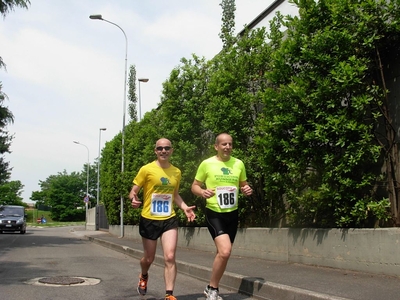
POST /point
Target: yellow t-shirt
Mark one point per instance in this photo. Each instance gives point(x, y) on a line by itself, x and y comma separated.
point(159, 186)
point(223, 178)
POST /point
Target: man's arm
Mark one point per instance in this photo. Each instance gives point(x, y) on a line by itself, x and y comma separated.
point(197, 189)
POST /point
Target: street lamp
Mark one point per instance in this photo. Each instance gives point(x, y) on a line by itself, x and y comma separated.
point(99, 17)
point(140, 101)
point(98, 167)
point(87, 179)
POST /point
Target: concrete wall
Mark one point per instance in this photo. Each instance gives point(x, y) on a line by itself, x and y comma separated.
point(367, 250)
point(91, 219)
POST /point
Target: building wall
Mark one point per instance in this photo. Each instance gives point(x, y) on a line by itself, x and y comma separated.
point(264, 18)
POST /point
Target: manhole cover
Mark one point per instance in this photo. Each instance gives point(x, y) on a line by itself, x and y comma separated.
point(61, 280)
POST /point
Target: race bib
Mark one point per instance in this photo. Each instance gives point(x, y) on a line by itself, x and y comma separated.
point(226, 196)
point(161, 204)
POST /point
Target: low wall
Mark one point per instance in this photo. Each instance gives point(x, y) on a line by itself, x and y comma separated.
point(91, 219)
point(367, 250)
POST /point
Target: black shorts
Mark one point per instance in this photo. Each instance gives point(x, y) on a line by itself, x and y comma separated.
point(153, 229)
point(222, 223)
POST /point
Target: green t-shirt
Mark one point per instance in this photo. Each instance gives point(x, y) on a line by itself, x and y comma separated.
point(223, 178)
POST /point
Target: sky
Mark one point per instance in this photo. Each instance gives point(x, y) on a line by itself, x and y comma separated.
point(65, 73)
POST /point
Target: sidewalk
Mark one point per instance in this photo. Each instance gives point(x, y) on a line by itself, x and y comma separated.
point(270, 280)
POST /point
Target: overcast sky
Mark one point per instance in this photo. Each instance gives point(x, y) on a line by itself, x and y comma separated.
point(65, 72)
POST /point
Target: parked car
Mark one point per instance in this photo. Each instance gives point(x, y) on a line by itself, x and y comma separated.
point(12, 218)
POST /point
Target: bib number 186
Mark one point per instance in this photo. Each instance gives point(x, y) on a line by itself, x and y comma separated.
point(161, 204)
point(226, 199)
point(227, 196)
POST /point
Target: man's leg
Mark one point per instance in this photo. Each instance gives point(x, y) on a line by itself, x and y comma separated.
point(169, 240)
point(149, 252)
point(224, 248)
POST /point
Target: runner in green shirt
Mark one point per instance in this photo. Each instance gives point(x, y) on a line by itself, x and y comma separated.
point(218, 180)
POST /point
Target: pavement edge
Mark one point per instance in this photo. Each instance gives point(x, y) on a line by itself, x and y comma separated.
point(251, 286)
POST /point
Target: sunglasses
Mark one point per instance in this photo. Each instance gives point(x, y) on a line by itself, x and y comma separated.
point(166, 148)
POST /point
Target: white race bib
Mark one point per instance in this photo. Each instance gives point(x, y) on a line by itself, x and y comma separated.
point(226, 196)
point(161, 204)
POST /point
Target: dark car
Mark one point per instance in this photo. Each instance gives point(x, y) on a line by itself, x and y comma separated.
point(12, 218)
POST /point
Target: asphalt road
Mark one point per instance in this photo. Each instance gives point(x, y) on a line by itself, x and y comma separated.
point(59, 263)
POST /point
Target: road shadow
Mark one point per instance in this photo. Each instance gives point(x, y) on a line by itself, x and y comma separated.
point(250, 284)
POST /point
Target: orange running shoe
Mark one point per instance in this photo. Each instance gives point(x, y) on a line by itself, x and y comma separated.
point(170, 297)
point(142, 285)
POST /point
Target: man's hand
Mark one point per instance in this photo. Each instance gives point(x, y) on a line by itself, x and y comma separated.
point(246, 190)
point(190, 213)
point(135, 200)
point(207, 193)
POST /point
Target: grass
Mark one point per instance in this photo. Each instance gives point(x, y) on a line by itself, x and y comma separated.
point(33, 215)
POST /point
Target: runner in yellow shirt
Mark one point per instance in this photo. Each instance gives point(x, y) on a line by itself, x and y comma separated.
point(160, 182)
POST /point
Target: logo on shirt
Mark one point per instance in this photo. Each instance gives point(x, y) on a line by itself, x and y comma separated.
point(228, 189)
point(226, 171)
point(164, 181)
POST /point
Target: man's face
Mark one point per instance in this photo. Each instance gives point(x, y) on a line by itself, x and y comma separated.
point(163, 150)
point(224, 147)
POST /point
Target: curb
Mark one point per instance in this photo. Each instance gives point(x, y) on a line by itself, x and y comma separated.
point(250, 286)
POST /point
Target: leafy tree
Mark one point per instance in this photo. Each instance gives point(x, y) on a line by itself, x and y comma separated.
point(306, 105)
point(6, 117)
point(10, 193)
point(38, 197)
point(7, 6)
point(64, 194)
point(111, 180)
point(140, 151)
point(92, 182)
point(235, 90)
point(186, 92)
point(132, 111)
point(228, 23)
point(321, 111)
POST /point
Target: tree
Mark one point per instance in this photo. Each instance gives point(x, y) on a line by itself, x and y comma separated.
point(185, 92)
point(306, 107)
point(7, 6)
point(6, 117)
point(228, 23)
point(64, 194)
point(92, 190)
point(132, 111)
point(322, 110)
point(111, 178)
point(10, 193)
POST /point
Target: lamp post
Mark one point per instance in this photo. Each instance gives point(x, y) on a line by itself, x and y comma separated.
point(98, 167)
point(87, 179)
point(99, 17)
point(140, 101)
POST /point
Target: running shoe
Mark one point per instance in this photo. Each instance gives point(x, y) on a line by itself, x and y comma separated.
point(142, 285)
point(211, 294)
point(169, 297)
